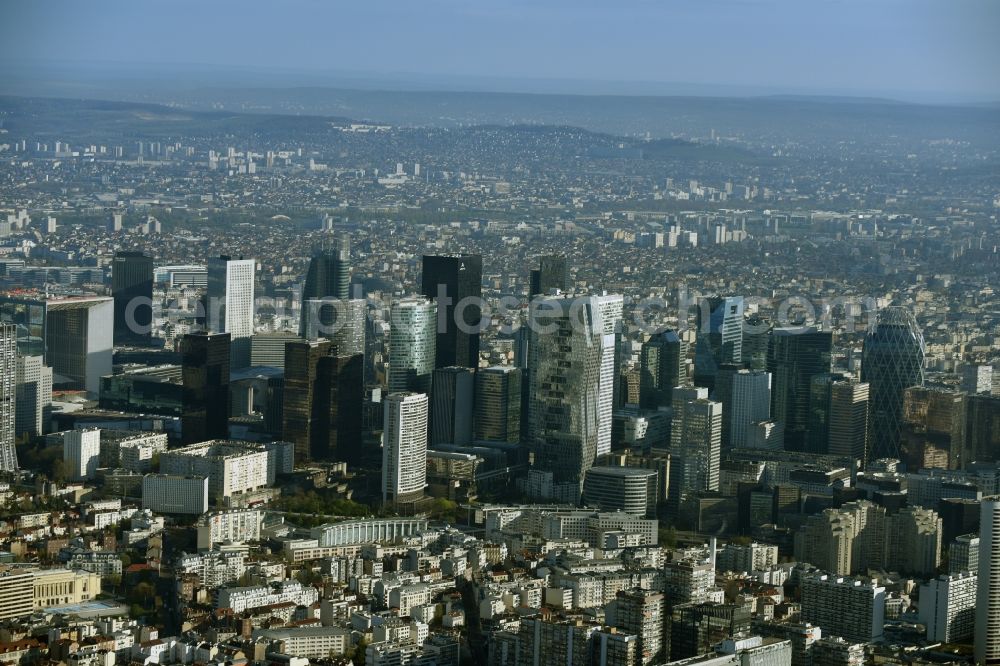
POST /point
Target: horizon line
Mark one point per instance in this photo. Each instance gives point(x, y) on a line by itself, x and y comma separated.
point(452, 83)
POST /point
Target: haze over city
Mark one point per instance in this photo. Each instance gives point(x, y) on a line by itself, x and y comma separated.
point(584, 333)
point(918, 50)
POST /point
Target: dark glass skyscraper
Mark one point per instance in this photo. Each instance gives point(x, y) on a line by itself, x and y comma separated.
point(329, 276)
point(565, 390)
point(132, 289)
point(662, 366)
point(301, 369)
point(933, 429)
point(498, 411)
point(795, 355)
point(550, 274)
point(982, 430)
point(330, 271)
point(323, 401)
point(720, 338)
point(892, 360)
point(695, 628)
point(205, 372)
point(341, 399)
point(451, 405)
point(457, 277)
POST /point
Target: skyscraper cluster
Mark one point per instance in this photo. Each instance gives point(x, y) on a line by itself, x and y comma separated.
point(549, 397)
point(661, 428)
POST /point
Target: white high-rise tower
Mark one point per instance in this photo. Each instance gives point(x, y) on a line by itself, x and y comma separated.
point(609, 320)
point(695, 443)
point(987, 650)
point(750, 403)
point(8, 374)
point(34, 396)
point(404, 448)
point(230, 304)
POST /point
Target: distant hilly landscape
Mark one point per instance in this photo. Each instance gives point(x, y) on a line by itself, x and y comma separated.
point(664, 114)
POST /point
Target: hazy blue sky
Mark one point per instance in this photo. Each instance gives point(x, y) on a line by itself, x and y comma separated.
point(878, 47)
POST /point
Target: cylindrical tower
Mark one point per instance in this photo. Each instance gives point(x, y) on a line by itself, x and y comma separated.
point(892, 360)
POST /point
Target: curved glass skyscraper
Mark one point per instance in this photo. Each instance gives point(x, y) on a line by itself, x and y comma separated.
point(412, 334)
point(892, 360)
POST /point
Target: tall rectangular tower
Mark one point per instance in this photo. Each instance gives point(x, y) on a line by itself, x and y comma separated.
point(329, 273)
point(339, 417)
point(750, 403)
point(550, 274)
point(498, 404)
point(34, 396)
point(662, 366)
point(987, 630)
point(933, 429)
point(977, 379)
point(451, 406)
point(838, 416)
point(719, 338)
point(81, 453)
point(328, 280)
point(982, 429)
point(340, 321)
point(132, 289)
point(609, 309)
point(205, 367)
point(641, 612)
point(695, 444)
point(323, 401)
point(459, 279)
point(570, 386)
point(301, 369)
point(229, 304)
point(948, 607)
point(8, 365)
point(796, 355)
